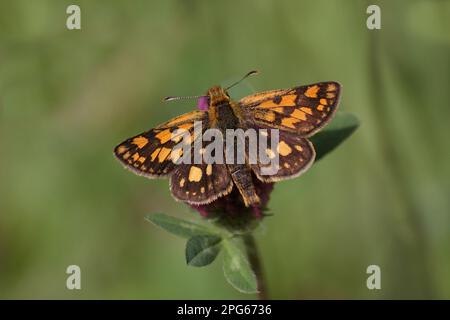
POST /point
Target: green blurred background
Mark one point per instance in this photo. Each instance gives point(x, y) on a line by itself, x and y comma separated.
point(68, 97)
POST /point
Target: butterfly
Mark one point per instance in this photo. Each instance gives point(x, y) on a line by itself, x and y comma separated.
point(297, 113)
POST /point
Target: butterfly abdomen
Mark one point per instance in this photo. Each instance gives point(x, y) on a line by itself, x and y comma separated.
point(241, 173)
point(242, 178)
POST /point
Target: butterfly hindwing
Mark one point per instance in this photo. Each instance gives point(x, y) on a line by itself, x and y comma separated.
point(295, 156)
point(152, 153)
point(303, 110)
point(200, 183)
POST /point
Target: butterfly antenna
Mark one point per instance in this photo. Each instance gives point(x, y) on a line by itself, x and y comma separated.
point(181, 98)
point(196, 97)
point(253, 72)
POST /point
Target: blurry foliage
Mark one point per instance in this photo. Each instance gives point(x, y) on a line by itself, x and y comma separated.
point(68, 97)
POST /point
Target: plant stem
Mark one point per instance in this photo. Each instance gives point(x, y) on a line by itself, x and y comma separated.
point(255, 263)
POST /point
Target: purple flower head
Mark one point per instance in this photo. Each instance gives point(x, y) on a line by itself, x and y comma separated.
point(202, 103)
point(232, 205)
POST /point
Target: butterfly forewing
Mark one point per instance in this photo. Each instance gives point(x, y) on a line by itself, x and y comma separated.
point(303, 110)
point(152, 153)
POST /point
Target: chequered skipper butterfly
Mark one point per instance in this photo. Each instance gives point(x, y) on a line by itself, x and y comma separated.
point(298, 113)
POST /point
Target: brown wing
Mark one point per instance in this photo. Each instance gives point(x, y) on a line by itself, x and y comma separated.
point(303, 110)
point(152, 153)
point(200, 183)
point(294, 153)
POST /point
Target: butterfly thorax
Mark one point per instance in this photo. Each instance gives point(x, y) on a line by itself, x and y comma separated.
point(223, 115)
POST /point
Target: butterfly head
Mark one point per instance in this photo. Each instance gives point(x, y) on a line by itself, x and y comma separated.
point(217, 95)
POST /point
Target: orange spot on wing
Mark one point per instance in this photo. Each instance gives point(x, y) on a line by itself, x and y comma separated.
point(140, 141)
point(266, 115)
point(267, 104)
point(135, 156)
point(283, 148)
point(154, 154)
point(195, 174)
point(261, 96)
point(278, 109)
point(306, 110)
point(289, 122)
point(331, 87)
point(209, 169)
point(311, 92)
point(288, 100)
point(121, 149)
point(164, 136)
point(298, 115)
point(163, 154)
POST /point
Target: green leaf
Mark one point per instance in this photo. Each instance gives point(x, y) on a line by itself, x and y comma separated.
point(179, 227)
point(340, 128)
point(237, 269)
point(202, 250)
